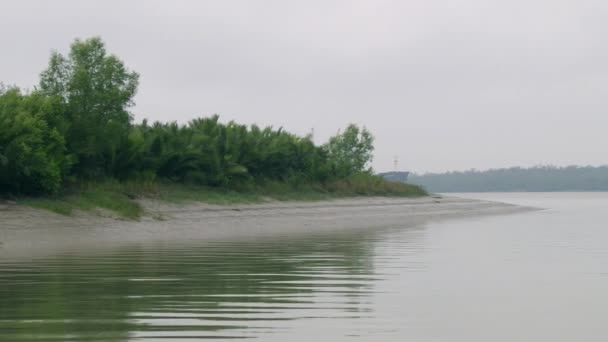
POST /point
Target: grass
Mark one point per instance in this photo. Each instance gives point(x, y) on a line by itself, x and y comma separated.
point(115, 203)
point(119, 198)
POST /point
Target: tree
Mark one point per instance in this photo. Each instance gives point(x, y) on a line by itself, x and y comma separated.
point(351, 151)
point(32, 153)
point(96, 90)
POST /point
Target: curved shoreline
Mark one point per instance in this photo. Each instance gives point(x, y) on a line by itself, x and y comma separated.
point(26, 232)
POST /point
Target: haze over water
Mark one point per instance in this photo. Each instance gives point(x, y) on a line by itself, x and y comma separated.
point(536, 276)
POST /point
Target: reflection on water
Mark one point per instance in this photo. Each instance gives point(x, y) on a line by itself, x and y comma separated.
point(539, 276)
point(210, 290)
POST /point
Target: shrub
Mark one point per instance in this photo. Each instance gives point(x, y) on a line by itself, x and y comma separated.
point(33, 157)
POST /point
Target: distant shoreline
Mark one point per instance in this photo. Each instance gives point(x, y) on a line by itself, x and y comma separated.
point(27, 232)
point(518, 179)
point(512, 191)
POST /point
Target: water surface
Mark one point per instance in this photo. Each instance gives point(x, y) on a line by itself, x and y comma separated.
point(535, 276)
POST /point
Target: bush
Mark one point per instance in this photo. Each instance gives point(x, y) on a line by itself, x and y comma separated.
point(33, 156)
point(364, 183)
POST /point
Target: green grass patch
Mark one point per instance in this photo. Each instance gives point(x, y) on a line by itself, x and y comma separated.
point(56, 205)
point(91, 201)
point(120, 198)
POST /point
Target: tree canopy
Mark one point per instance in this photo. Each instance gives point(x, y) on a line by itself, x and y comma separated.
point(351, 151)
point(77, 125)
point(96, 91)
point(33, 154)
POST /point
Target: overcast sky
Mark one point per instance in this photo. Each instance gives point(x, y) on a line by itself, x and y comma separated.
point(443, 85)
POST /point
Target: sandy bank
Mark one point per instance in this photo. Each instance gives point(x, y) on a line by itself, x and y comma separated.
point(26, 232)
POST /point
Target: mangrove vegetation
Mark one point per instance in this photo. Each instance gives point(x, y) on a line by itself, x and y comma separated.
point(72, 143)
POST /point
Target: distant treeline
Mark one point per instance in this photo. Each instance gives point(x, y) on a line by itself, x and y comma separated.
point(76, 126)
point(541, 178)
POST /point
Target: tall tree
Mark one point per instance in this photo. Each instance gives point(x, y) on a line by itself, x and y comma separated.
point(351, 151)
point(96, 90)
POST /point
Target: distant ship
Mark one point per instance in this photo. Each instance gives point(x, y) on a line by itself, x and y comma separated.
point(395, 176)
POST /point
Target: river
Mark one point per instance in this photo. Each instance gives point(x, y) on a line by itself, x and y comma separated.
point(532, 276)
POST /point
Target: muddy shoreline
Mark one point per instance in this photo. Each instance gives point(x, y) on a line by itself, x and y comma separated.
point(29, 233)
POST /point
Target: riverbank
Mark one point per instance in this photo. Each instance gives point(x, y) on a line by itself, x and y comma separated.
point(122, 200)
point(28, 232)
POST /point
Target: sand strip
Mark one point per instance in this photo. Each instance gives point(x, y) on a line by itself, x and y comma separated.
point(26, 232)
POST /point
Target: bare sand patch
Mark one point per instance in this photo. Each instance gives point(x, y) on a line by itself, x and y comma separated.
point(26, 232)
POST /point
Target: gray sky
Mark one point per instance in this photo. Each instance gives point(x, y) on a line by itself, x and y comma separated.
point(444, 85)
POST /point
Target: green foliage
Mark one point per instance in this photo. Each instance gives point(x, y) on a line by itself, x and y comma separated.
point(120, 198)
point(351, 151)
point(207, 152)
point(91, 197)
point(33, 156)
point(96, 90)
point(76, 127)
point(365, 184)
